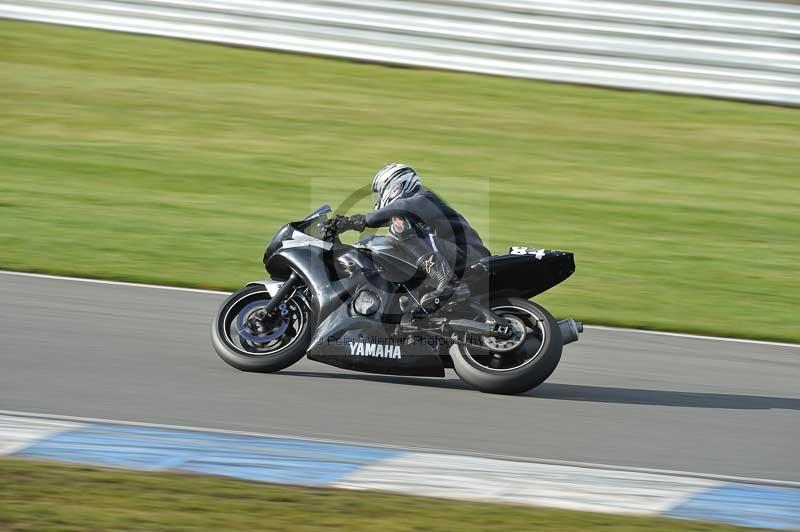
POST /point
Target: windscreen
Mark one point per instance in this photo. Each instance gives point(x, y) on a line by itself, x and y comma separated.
point(310, 224)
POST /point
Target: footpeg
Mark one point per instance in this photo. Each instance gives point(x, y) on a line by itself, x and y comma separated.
point(405, 304)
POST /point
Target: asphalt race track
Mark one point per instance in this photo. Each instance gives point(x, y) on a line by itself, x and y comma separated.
point(618, 397)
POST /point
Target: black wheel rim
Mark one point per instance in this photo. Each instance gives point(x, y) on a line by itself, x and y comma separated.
point(528, 351)
point(263, 342)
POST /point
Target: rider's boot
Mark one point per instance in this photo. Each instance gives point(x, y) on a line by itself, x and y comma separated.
point(439, 271)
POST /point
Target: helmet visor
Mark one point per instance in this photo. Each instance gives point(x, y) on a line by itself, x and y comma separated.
point(394, 192)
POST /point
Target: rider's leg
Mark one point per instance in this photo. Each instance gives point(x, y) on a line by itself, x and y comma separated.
point(440, 273)
point(433, 256)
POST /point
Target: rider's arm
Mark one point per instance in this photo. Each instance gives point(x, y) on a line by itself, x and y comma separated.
point(416, 208)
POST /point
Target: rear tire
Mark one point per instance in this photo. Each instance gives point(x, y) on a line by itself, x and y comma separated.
point(266, 357)
point(471, 364)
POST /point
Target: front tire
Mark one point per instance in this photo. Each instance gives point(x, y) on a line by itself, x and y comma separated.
point(261, 351)
point(519, 370)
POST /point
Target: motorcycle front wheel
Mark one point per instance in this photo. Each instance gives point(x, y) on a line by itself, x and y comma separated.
point(248, 340)
point(515, 365)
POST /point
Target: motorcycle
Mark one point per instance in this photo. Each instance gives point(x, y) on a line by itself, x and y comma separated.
point(357, 307)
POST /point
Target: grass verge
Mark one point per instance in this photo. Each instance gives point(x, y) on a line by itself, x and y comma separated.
point(53, 497)
point(166, 161)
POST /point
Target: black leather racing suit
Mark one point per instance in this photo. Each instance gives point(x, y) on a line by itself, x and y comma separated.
point(434, 235)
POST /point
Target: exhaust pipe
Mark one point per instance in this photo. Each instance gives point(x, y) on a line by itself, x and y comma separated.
point(570, 329)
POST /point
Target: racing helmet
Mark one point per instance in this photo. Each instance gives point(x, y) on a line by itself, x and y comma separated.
point(392, 182)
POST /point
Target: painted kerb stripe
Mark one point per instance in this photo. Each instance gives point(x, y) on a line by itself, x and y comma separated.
point(314, 463)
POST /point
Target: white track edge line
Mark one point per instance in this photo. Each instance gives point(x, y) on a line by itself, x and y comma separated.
point(693, 336)
point(219, 292)
point(113, 283)
point(670, 472)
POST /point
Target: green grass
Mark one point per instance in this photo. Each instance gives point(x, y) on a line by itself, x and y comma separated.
point(46, 497)
point(165, 161)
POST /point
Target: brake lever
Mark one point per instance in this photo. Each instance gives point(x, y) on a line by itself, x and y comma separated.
point(328, 230)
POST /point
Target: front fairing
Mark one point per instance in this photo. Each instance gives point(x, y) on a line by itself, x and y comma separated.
point(284, 233)
point(334, 272)
point(309, 226)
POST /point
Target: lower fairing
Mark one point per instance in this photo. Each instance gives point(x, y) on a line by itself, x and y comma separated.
point(372, 351)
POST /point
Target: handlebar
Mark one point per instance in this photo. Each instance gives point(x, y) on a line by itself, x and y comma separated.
point(329, 232)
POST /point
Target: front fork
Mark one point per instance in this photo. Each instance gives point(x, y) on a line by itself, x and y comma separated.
point(277, 301)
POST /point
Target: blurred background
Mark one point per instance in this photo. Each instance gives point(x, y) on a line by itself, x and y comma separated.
point(165, 141)
point(170, 161)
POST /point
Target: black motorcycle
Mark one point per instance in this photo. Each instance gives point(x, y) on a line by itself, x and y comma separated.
point(357, 307)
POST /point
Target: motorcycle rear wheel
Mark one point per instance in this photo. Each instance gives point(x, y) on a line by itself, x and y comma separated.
point(289, 341)
point(521, 369)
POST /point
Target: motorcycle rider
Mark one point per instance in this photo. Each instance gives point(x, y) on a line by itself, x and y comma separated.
point(438, 238)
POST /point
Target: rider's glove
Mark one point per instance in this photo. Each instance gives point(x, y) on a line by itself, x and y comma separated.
point(350, 223)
